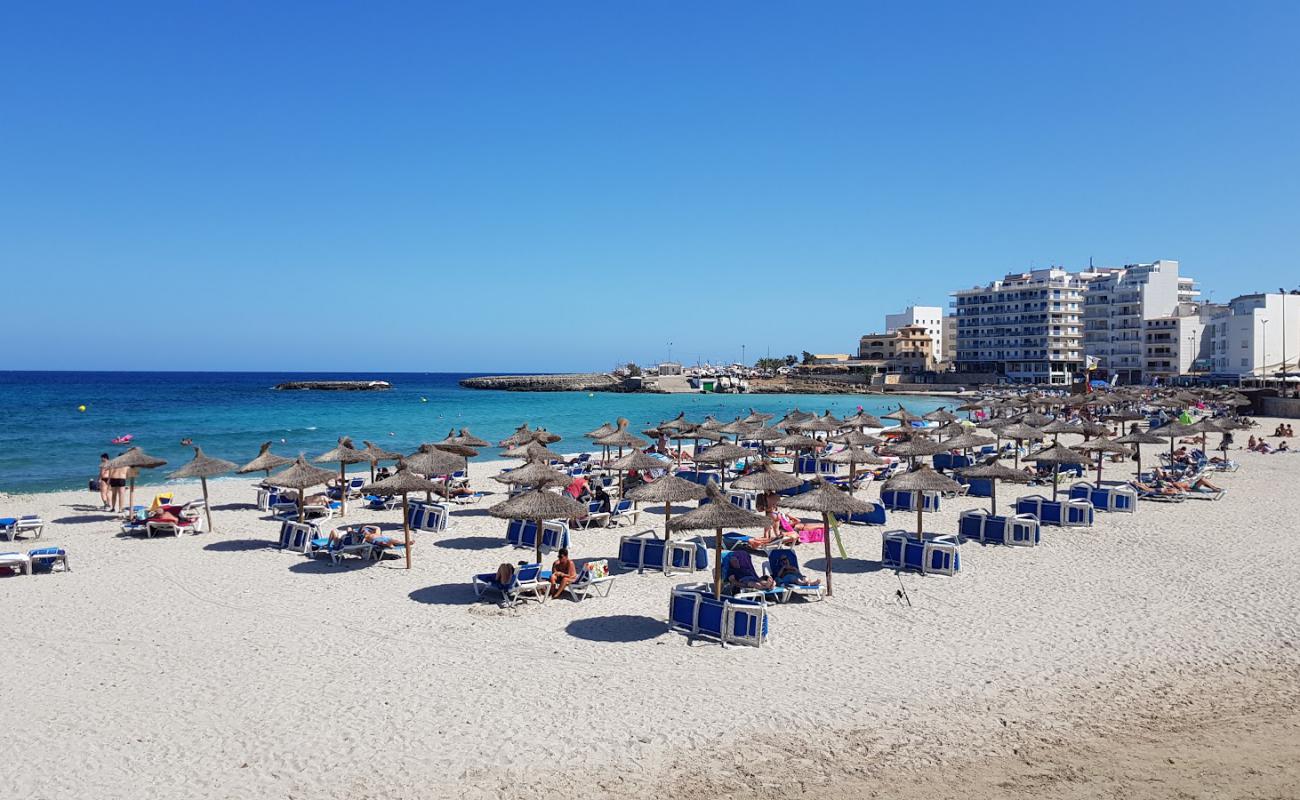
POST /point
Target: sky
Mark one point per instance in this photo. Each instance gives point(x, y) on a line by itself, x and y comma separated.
point(525, 186)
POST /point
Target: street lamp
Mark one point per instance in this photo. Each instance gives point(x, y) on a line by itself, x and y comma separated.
point(1263, 368)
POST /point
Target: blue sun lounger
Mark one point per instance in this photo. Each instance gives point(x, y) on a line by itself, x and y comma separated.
point(425, 516)
point(702, 478)
point(739, 560)
point(944, 461)
point(776, 561)
point(807, 465)
point(978, 487)
point(523, 533)
point(646, 550)
point(876, 516)
point(935, 555)
point(1066, 513)
point(13, 527)
point(297, 536)
point(697, 613)
point(1106, 498)
point(906, 501)
point(527, 582)
point(981, 526)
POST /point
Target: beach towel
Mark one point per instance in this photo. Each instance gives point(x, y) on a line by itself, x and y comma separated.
point(810, 535)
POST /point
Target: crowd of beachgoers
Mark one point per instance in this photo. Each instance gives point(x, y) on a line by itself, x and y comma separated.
point(1000, 574)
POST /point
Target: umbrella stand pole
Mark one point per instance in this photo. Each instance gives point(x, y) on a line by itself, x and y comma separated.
point(539, 541)
point(717, 565)
point(920, 522)
point(130, 504)
point(406, 531)
point(1056, 478)
point(826, 537)
point(993, 496)
point(301, 512)
point(207, 509)
point(343, 489)
point(668, 517)
point(1099, 469)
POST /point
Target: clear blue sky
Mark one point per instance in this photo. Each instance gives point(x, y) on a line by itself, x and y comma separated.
point(551, 185)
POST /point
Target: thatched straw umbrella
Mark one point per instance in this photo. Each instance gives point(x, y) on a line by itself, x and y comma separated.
point(940, 415)
point(1125, 415)
point(535, 474)
point(922, 479)
point(634, 460)
point(1101, 445)
point(429, 461)
point(856, 438)
point(620, 438)
point(204, 467)
point(375, 454)
point(1035, 420)
point(1175, 431)
point(533, 451)
point(950, 430)
point(1137, 439)
point(470, 440)
point(797, 442)
point(862, 420)
point(458, 449)
point(1056, 455)
point(758, 417)
point(793, 416)
point(722, 454)
point(997, 471)
point(828, 499)
point(265, 461)
point(300, 476)
point(667, 490)
point(737, 428)
point(902, 416)
point(1020, 432)
point(134, 459)
point(766, 479)
point(521, 436)
point(1059, 426)
point(916, 446)
point(716, 515)
point(853, 456)
point(538, 505)
point(402, 482)
point(604, 430)
point(343, 454)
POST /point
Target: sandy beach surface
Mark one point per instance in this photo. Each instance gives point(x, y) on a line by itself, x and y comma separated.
point(1154, 655)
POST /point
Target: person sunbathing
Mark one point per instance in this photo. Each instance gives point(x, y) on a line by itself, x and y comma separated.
point(372, 534)
point(788, 570)
point(1282, 448)
point(1153, 488)
point(563, 573)
point(743, 576)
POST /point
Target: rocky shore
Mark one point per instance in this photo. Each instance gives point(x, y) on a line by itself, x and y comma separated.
point(573, 382)
point(335, 386)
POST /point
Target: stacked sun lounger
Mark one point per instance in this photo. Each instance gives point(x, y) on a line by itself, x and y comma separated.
point(13, 527)
point(1067, 513)
point(947, 461)
point(1106, 498)
point(523, 533)
point(807, 465)
point(646, 550)
point(906, 501)
point(35, 561)
point(933, 555)
point(425, 516)
point(297, 536)
point(694, 611)
point(981, 526)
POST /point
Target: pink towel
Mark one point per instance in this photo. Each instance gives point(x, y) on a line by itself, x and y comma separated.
point(810, 535)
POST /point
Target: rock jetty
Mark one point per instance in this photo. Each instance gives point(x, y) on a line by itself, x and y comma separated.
point(335, 386)
point(574, 382)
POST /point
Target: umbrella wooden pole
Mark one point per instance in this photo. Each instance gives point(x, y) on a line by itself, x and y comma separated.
point(668, 517)
point(1056, 478)
point(207, 509)
point(920, 522)
point(130, 504)
point(343, 489)
point(539, 541)
point(301, 511)
point(826, 538)
point(993, 496)
point(1099, 456)
point(1138, 449)
point(717, 565)
point(406, 531)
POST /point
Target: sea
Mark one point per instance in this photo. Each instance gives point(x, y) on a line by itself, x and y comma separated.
point(56, 424)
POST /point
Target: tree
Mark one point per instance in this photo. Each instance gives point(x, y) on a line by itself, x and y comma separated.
point(807, 357)
point(632, 369)
point(790, 361)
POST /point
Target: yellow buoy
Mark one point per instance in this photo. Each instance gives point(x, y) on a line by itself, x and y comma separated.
point(82, 409)
point(424, 399)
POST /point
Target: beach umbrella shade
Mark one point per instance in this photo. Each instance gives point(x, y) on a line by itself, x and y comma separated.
point(1174, 431)
point(721, 454)
point(758, 417)
point(716, 515)
point(668, 489)
point(853, 456)
point(402, 482)
point(1125, 415)
point(921, 479)
point(300, 476)
point(1059, 426)
point(457, 449)
point(1035, 420)
point(429, 461)
point(766, 479)
point(134, 459)
point(635, 460)
point(546, 437)
point(994, 472)
point(539, 505)
point(375, 454)
point(1056, 455)
point(827, 499)
point(856, 438)
point(939, 415)
point(737, 428)
point(343, 454)
point(621, 438)
point(915, 446)
point(862, 420)
point(265, 461)
point(968, 440)
point(902, 416)
point(763, 435)
point(1020, 432)
point(601, 432)
point(533, 451)
point(951, 429)
point(793, 416)
point(521, 436)
point(710, 423)
point(1101, 446)
point(470, 440)
point(533, 473)
point(204, 467)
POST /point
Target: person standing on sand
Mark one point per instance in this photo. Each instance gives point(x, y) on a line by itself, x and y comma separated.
point(117, 484)
point(105, 491)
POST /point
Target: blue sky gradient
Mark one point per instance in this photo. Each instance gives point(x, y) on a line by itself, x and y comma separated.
point(560, 186)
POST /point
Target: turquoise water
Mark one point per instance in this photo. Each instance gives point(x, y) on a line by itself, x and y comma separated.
point(47, 444)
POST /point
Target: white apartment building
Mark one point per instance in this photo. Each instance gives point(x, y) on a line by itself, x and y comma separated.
point(1258, 336)
point(1027, 326)
point(929, 317)
point(1117, 304)
point(1179, 344)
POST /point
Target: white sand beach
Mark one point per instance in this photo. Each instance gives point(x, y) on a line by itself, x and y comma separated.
point(1155, 655)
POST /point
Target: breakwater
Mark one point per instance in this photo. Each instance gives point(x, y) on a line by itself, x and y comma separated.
point(573, 382)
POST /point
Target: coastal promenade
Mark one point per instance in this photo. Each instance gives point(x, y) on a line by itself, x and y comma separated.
point(1152, 656)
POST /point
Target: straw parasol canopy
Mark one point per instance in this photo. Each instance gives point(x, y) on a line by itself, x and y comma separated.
point(402, 482)
point(716, 515)
point(862, 420)
point(534, 473)
point(376, 454)
point(794, 415)
point(204, 467)
point(265, 461)
point(737, 427)
point(763, 433)
point(968, 440)
point(722, 454)
point(521, 436)
point(134, 459)
point(995, 472)
point(853, 456)
point(954, 428)
point(1101, 446)
point(678, 423)
point(766, 479)
point(940, 415)
point(1056, 455)
point(828, 499)
point(430, 460)
point(921, 479)
point(538, 505)
point(758, 417)
point(824, 424)
point(300, 476)
point(1020, 432)
point(902, 416)
point(604, 430)
point(620, 438)
point(667, 490)
point(343, 454)
point(916, 446)
point(635, 460)
point(533, 451)
point(469, 439)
